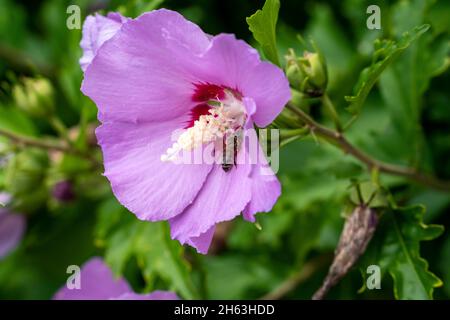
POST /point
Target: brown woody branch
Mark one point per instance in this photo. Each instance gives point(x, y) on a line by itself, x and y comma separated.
point(339, 139)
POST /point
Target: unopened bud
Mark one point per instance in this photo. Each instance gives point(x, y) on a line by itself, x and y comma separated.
point(34, 96)
point(315, 69)
point(26, 171)
point(63, 191)
point(307, 74)
point(293, 72)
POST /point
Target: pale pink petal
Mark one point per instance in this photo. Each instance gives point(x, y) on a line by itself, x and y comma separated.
point(143, 74)
point(97, 29)
point(235, 64)
point(266, 189)
point(155, 295)
point(97, 283)
point(223, 197)
point(151, 189)
point(203, 241)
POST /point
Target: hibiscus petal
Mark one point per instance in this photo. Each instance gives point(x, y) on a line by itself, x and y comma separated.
point(155, 295)
point(266, 189)
point(203, 241)
point(233, 63)
point(269, 87)
point(97, 283)
point(97, 30)
point(151, 189)
point(142, 73)
point(12, 227)
point(223, 197)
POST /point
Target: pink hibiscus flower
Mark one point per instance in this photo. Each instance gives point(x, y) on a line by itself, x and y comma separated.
point(97, 282)
point(159, 74)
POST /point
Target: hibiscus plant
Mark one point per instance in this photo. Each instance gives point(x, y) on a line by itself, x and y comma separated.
point(224, 150)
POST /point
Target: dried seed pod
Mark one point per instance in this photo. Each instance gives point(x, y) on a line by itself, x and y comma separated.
point(356, 234)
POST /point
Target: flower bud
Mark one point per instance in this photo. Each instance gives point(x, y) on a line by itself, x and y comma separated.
point(293, 72)
point(26, 171)
point(34, 96)
point(63, 191)
point(307, 74)
point(315, 69)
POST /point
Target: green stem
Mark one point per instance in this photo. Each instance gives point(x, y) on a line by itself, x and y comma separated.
point(332, 111)
point(47, 145)
point(290, 133)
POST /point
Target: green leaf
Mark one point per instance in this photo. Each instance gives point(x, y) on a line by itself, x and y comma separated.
point(240, 276)
point(393, 114)
point(263, 26)
point(385, 53)
point(157, 255)
point(404, 83)
point(396, 249)
point(53, 241)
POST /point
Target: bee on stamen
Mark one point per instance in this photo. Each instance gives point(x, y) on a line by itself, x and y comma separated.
point(230, 149)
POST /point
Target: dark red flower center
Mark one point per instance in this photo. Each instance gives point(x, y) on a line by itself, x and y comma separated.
point(196, 112)
point(219, 113)
point(206, 91)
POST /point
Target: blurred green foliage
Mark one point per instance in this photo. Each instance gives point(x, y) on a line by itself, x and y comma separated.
point(402, 117)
